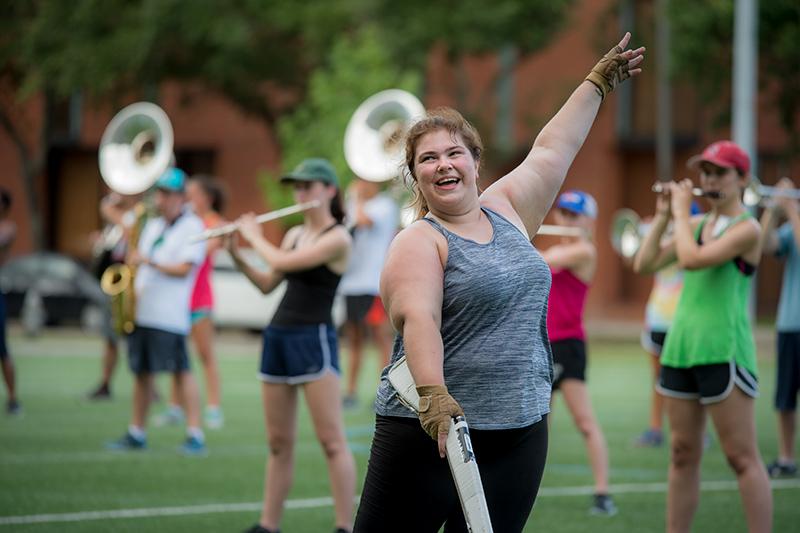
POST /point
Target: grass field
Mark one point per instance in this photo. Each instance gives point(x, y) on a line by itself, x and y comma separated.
point(55, 474)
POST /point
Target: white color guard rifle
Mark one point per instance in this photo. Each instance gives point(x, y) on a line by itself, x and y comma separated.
point(460, 456)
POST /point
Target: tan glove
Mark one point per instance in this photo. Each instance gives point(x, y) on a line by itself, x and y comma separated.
point(436, 408)
point(609, 72)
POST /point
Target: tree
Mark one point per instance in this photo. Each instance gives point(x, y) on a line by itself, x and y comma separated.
point(703, 50)
point(106, 49)
point(357, 67)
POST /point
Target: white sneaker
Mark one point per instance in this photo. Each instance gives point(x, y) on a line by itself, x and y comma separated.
point(213, 418)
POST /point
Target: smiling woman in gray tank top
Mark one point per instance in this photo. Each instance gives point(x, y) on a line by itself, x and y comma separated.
point(467, 294)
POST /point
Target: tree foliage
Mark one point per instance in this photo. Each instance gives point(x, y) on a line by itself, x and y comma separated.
point(703, 49)
point(358, 66)
point(109, 49)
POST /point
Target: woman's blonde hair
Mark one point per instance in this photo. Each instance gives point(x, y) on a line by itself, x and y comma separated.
point(441, 118)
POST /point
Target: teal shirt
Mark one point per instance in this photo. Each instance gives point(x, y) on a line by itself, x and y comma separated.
point(789, 306)
point(712, 323)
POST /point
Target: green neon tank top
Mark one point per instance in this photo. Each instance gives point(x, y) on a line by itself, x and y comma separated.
point(712, 324)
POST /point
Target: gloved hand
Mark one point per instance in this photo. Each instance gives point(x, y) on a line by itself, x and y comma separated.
point(616, 66)
point(436, 408)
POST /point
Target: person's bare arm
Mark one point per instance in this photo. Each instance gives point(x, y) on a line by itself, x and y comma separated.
point(526, 194)
point(412, 285)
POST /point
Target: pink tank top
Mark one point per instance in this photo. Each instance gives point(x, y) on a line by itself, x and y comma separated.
point(565, 306)
point(202, 294)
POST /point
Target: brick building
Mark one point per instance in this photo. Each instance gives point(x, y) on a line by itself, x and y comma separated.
point(507, 96)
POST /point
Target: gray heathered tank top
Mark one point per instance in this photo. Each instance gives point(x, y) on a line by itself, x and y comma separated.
point(497, 360)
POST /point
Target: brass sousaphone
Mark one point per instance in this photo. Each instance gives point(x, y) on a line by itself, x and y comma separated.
point(135, 150)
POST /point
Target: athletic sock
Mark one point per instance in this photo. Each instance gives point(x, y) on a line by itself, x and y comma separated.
point(136, 432)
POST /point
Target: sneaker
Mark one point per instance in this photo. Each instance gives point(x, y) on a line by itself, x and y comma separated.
point(350, 401)
point(258, 529)
point(127, 442)
point(193, 446)
point(778, 469)
point(213, 418)
point(603, 505)
point(651, 438)
point(13, 408)
point(102, 392)
point(171, 416)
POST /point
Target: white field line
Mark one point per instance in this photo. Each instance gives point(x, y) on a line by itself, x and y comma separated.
point(706, 486)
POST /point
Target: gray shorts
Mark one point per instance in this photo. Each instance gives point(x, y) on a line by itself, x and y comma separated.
point(153, 350)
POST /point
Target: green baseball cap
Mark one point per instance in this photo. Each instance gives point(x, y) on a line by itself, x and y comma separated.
point(313, 169)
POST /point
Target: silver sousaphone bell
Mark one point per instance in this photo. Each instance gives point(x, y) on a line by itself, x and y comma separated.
point(373, 140)
point(136, 148)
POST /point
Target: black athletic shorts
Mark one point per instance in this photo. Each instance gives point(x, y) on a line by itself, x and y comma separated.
point(569, 360)
point(788, 371)
point(152, 350)
point(358, 306)
point(653, 341)
point(409, 488)
point(707, 383)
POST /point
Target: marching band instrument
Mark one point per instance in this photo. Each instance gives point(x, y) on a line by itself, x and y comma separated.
point(373, 140)
point(660, 188)
point(756, 193)
point(561, 231)
point(266, 217)
point(626, 232)
point(460, 455)
point(135, 150)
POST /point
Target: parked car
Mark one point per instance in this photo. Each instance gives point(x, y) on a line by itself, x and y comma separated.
point(238, 303)
point(46, 288)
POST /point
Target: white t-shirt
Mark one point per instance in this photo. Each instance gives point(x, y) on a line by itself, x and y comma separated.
point(370, 244)
point(162, 301)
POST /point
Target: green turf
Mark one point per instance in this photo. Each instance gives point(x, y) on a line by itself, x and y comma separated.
point(52, 459)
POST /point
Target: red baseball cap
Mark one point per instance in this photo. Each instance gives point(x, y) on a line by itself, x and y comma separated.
point(725, 154)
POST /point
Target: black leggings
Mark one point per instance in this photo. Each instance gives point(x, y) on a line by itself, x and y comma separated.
point(410, 488)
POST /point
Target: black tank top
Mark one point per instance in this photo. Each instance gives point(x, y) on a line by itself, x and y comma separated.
point(309, 295)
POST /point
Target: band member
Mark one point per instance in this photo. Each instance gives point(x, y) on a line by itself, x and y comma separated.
point(708, 365)
point(659, 311)
point(375, 218)
point(300, 348)
point(573, 263)
point(8, 232)
point(119, 214)
point(467, 293)
point(166, 262)
point(785, 243)
point(206, 199)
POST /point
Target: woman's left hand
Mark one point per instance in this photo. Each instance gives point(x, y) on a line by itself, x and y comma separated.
point(616, 66)
point(681, 196)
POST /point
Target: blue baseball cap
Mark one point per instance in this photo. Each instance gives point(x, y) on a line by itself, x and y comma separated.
point(578, 202)
point(173, 180)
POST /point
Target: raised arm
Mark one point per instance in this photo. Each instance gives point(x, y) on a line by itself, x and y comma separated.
point(530, 189)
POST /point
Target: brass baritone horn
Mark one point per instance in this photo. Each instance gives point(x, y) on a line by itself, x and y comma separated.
point(373, 140)
point(626, 233)
point(135, 150)
point(756, 193)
